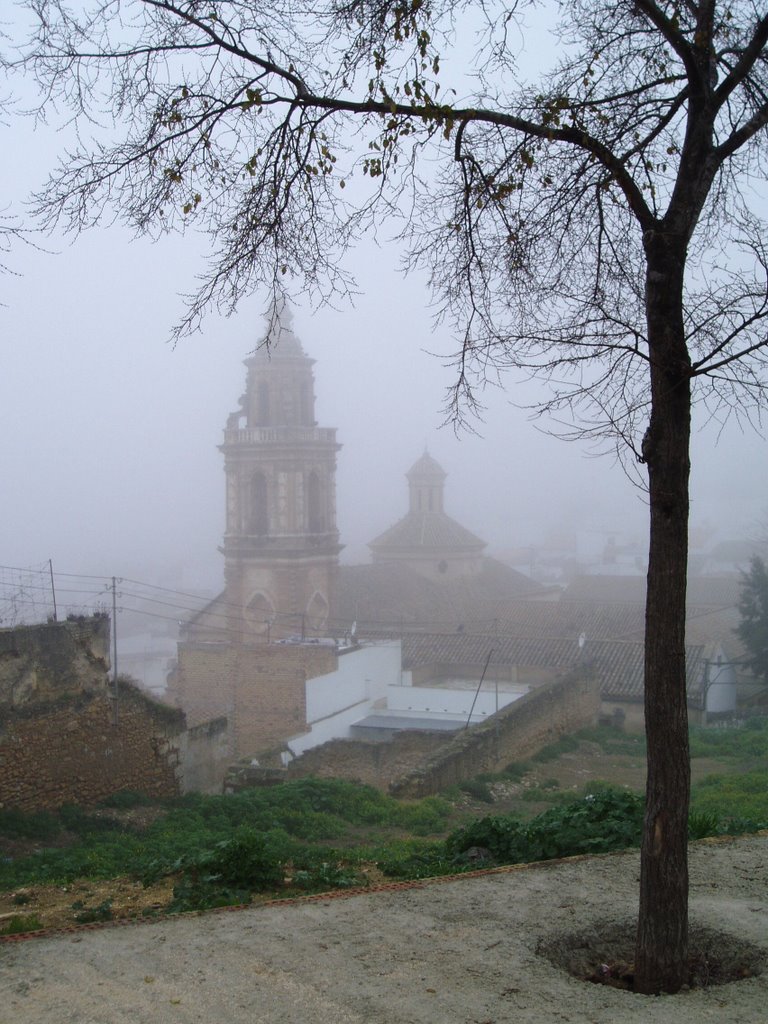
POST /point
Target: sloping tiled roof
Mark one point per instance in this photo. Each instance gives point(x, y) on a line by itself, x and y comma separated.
point(607, 589)
point(703, 591)
point(212, 622)
point(473, 649)
point(563, 618)
point(390, 596)
point(620, 667)
point(618, 664)
point(427, 531)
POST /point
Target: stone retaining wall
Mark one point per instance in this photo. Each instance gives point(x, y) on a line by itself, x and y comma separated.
point(378, 764)
point(76, 750)
point(421, 763)
point(513, 734)
point(47, 661)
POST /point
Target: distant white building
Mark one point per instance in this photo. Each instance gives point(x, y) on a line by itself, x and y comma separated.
point(369, 695)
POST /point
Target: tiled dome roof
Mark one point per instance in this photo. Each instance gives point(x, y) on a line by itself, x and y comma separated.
point(427, 531)
point(426, 466)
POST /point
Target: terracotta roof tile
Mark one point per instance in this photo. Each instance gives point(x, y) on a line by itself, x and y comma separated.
point(618, 664)
point(390, 596)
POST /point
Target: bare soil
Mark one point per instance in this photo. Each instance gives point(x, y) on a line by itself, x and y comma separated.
point(496, 947)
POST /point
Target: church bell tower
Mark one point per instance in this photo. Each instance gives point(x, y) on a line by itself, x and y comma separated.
point(281, 543)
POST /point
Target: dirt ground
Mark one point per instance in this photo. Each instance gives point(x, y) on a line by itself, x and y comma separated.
point(471, 950)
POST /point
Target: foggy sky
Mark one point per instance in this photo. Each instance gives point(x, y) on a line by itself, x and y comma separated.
point(109, 461)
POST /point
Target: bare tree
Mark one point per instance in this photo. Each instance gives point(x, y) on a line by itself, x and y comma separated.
point(9, 232)
point(598, 227)
point(10, 229)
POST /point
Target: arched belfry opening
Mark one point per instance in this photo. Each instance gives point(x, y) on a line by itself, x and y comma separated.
point(260, 614)
point(258, 505)
point(315, 517)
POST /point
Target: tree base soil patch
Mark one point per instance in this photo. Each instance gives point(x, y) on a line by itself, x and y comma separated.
point(604, 955)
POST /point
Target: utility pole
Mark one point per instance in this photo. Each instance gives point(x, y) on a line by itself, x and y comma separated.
point(479, 686)
point(115, 693)
point(53, 590)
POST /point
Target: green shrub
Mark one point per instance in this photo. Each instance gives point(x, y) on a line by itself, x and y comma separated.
point(609, 819)
point(614, 741)
point(422, 817)
point(192, 893)
point(227, 874)
point(741, 826)
point(516, 771)
point(565, 745)
point(702, 824)
point(40, 825)
point(17, 924)
point(477, 789)
point(547, 791)
point(87, 915)
point(244, 862)
point(740, 743)
point(85, 823)
point(738, 795)
point(324, 877)
point(411, 859)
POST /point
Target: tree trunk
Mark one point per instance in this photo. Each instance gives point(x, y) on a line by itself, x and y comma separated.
point(662, 936)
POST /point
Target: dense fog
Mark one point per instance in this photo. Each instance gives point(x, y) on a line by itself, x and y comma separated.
point(109, 459)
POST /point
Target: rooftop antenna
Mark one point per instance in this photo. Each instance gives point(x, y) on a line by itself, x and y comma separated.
point(479, 685)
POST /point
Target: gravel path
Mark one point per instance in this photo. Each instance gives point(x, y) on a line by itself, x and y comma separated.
point(463, 951)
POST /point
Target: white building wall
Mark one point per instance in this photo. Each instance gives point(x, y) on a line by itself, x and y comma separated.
point(339, 699)
point(370, 679)
point(720, 683)
point(434, 700)
point(363, 674)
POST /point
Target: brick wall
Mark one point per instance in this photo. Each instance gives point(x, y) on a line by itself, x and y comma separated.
point(72, 750)
point(261, 688)
point(513, 734)
point(203, 683)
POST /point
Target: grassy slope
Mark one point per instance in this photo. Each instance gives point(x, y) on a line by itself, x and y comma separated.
point(322, 833)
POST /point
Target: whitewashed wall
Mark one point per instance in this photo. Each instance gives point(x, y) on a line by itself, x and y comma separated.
point(720, 681)
point(436, 701)
point(369, 678)
point(363, 673)
point(339, 699)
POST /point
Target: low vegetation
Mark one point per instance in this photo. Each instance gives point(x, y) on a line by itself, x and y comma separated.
point(314, 835)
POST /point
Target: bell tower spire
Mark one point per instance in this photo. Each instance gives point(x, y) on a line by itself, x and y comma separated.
point(281, 543)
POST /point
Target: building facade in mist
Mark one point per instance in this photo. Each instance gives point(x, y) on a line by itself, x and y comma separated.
point(281, 543)
point(427, 539)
